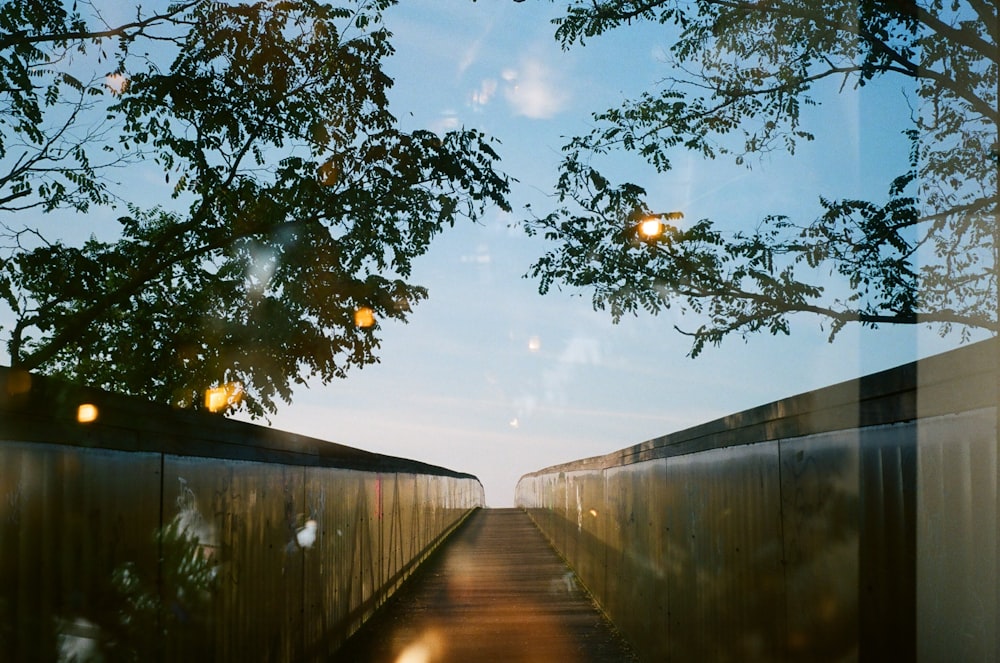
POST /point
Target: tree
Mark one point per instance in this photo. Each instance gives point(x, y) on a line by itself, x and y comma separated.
point(296, 199)
point(742, 74)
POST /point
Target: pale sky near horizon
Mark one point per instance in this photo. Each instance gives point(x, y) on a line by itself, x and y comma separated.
point(491, 378)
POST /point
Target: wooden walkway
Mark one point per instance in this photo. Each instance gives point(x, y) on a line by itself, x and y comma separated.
point(496, 591)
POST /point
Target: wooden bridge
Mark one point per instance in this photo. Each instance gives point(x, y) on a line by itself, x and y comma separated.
point(854, 522)
point(496, 591)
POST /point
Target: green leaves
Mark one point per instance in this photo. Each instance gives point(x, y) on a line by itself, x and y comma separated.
point(49, 107)
point(297, 201)
point(740, 75)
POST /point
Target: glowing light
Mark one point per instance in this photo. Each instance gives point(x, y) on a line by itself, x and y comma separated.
point(593, 512)
point(534, 344)
point(651, 228)
point(219, 398)
point(215, 399)
point(260, 270)
point(415, 653)
point(364, 317)
point(86, 413)
point(428, 647)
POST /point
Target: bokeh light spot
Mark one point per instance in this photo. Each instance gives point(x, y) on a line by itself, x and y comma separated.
point(364, 317)
point(86, 413)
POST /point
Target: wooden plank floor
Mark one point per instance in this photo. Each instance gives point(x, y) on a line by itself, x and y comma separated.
point(496, 591)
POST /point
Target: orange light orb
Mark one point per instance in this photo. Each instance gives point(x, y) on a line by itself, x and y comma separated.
point(364, 317)
point(218, 399)
point(86, 413)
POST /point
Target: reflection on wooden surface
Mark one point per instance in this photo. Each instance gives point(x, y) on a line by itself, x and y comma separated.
point(151, 534)
point(496, 592)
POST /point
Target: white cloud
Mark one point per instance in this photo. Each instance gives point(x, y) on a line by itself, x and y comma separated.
point(581, 350)
point(483, 255)
point(478, 259)
point(469, 57)
point(534, 90)
point(484, 94)
point(447, 122)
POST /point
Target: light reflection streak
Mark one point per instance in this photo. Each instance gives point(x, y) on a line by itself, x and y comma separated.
point(427, 648)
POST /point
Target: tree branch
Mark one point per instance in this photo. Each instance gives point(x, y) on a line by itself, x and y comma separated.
point(9, 40)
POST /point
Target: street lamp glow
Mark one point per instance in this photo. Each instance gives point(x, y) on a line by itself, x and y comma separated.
point(651, 228)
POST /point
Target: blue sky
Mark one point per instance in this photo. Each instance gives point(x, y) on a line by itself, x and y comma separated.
point(491, 378)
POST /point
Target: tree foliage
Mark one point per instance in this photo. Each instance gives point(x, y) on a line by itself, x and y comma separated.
point(742, 75)
point(295, 198)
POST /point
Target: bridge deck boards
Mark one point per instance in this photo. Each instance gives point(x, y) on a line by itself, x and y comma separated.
point(496, 591)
